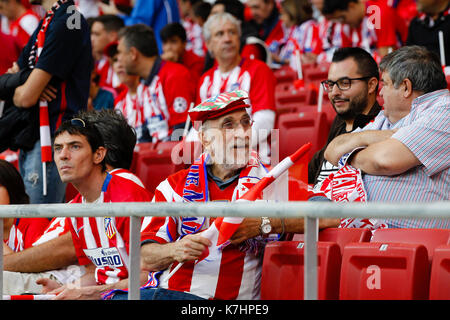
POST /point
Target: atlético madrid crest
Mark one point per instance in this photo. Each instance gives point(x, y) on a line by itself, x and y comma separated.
point(110, 229)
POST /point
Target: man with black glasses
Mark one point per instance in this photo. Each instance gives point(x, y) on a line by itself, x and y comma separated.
point(352, 88)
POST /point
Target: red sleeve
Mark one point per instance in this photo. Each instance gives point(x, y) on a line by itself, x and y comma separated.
point(262, 87)
point(178, 90)
point(32, 229)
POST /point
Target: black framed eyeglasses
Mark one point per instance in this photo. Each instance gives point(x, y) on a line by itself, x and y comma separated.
point(342, 83)
point(77, 122)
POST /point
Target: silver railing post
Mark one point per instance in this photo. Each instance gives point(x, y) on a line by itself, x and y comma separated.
point(310, 264)
point(134, 264)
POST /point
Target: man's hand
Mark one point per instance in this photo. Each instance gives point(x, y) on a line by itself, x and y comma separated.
point(347, 142)
point(249, 228)
point(189, 248)
point(14, 68)
point(170, 56)
point(49, 93)
point(49, 285)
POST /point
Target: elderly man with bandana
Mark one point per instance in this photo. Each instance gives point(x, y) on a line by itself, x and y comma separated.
point(224, 172)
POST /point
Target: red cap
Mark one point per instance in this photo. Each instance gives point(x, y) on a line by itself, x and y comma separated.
point(218, 106)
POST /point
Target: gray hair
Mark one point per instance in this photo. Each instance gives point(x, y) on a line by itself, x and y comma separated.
point(219, 18)
point(420, 66)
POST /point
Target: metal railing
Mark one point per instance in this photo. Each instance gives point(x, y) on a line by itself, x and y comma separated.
point(311, 211)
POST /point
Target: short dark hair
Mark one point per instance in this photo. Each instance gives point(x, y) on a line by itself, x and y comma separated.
point(173, 30)
point(331, 6)
point(235, 7)
point(110, 22)
point(87, 130)
point(202, 9)
point(119, 137)
point(11, 179)
point(421, 66)
point(367, 66)
point(141, 37)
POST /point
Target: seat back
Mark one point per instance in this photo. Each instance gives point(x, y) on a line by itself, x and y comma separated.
point(153, 165)
point(296, 129)
point(283, 271)
point(342, 236)
point(377, 271)
point(430, 238)
point(440, 274)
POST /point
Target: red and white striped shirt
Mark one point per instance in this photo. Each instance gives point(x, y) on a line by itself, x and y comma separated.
point(233, 273)
point(104, 241)
point(24, 26)
point(24, 232)
point(131, 109)
point(253, 76)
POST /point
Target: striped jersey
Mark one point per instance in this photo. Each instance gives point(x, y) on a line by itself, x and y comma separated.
point(305, 35)
point(104, 241)
point(253, 76)
point(426, 132)
point(24, 232)
point(127, 103)
point(165, 100)
point(232, 274)
point(24, 26)
point(380, 27)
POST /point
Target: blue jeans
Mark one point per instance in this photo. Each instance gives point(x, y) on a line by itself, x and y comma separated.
point(30, 167)
point(159, 294)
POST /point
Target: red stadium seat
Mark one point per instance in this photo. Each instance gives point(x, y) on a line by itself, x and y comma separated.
point(140, 147)
point(154, 164)
point(384, 271)
point(328, 109)
point(297, 129)
point(341, 236)
point(283, 271)
point(430, 238)
point(440, 274)
point(285, 74)
point(288, 98)
point(317, 73)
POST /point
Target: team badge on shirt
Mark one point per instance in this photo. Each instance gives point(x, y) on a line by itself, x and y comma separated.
point(110, 230)
point(180, 104)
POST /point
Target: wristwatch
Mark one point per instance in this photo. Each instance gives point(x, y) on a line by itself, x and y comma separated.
point(266, 227)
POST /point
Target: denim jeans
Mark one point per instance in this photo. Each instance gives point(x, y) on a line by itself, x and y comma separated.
point(30, 167)
point(159, 294)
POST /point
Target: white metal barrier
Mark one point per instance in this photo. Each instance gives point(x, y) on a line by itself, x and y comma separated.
point(311, 211)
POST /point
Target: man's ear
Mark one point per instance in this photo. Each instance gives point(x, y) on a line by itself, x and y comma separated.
point(372, 85)
point(408, 89)
point(134, 53)
point(99, 155)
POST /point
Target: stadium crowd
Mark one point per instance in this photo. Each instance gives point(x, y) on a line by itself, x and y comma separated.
point(87, 85)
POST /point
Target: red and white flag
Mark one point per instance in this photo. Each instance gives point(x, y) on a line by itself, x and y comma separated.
point(46, 142)
point(29, 297)
point(220, 232)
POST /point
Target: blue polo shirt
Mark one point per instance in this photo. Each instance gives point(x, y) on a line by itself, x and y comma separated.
point(67, 55)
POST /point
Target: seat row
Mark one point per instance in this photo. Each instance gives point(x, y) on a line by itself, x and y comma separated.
point(405, 264)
